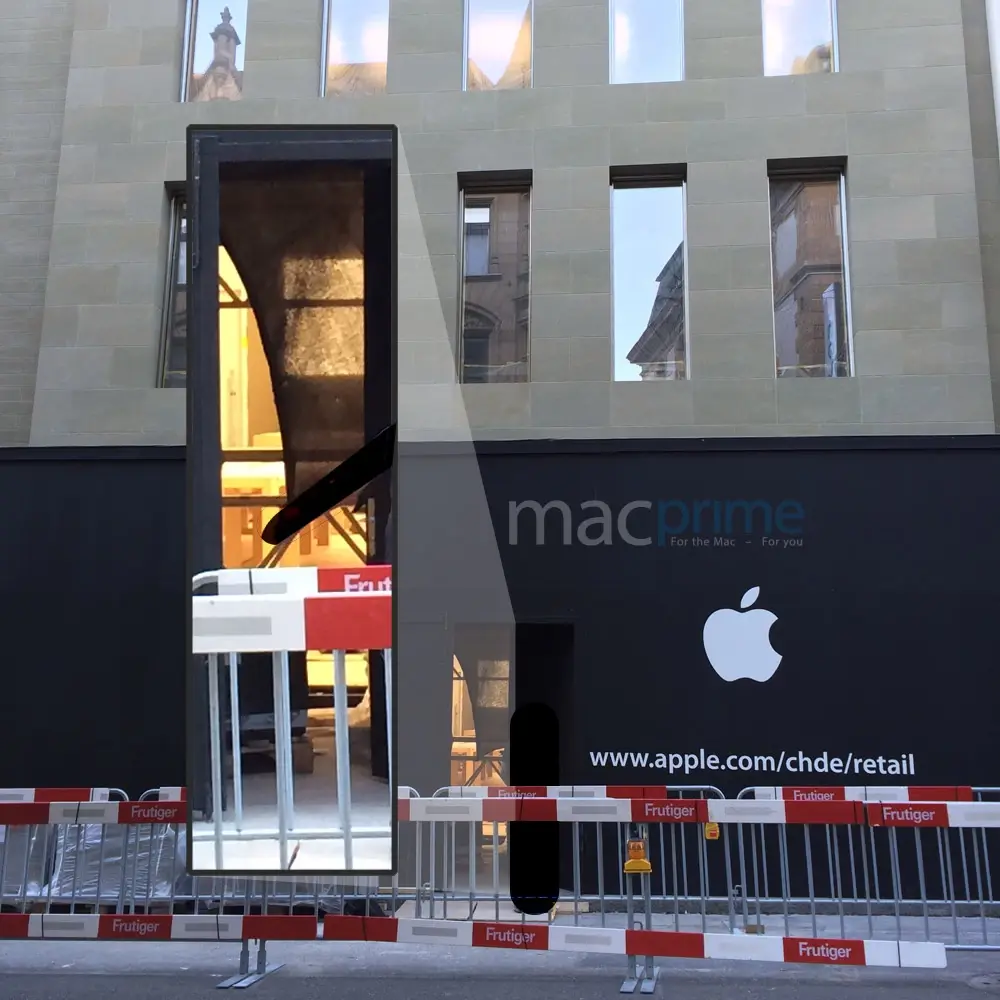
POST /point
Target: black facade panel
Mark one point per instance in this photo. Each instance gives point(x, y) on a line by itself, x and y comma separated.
point(879, 563)
point(94, 605)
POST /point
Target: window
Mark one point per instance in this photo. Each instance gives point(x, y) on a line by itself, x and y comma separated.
point(495, 286)
point(213, 51)
point(648, 253)
point(173, 367)
point(647, 41)
point(477, 241)
point(497, 44)
point(799, 37)
point(357, 46)
point(812, 326)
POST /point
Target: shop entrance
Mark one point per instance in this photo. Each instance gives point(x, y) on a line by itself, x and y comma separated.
point(290, 234)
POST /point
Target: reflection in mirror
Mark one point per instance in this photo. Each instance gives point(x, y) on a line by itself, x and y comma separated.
point(495, 286)
point(357, 46)
point(648, 260)
point(811, 318)
point(647, 41)
point(215, 51)
point(173, 365)
point(497, 44)
point(798, 37)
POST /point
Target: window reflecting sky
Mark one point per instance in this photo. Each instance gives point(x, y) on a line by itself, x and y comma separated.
point(647, 227)
point(359, 32)
point(493, 27)
point(209, 16)
point(792, 30)
point(646, 41)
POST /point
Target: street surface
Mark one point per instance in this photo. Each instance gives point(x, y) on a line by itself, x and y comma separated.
point(328, 971)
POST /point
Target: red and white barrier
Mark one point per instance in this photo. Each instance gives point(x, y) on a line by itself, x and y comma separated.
point(560, 792)
point(867, 793)
point(475, 934)
point(305, 580)
point(293, 622)
point(557, 810)
point(106, 813)
point(667, 810)
point(54, 795)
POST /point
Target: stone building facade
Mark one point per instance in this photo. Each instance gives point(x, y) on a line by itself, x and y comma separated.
point(94, 145)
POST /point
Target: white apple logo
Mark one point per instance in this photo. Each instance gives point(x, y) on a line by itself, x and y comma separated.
point(737, 643)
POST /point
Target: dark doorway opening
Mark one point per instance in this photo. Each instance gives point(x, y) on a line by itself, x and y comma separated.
point(543, 677)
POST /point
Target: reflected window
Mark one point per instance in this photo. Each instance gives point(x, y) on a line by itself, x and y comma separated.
point(357, 46)
point(799, 36)
point(173, 367)
point(648, 259)
point(497, 44)
point(811, 309)
point(477, 241)
point(495, 286)
point(215, 51)
point(647, 41)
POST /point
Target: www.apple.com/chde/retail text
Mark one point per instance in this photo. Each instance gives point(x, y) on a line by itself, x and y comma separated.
point(788, 762)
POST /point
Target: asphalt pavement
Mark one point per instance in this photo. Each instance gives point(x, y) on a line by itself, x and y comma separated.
point(327, 971)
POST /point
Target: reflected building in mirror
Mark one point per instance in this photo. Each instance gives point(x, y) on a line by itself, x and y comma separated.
point(220, 80)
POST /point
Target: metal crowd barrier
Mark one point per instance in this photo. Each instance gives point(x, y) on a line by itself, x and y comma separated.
point(277, 611)
point(679, 876)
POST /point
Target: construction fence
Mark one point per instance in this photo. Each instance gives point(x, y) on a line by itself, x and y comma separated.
point(886, 877)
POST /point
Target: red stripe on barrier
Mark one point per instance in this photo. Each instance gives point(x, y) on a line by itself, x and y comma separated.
point(352, 622)
point(915, 814)
point(63, 794)
point(131, 813)
point(24, 813)
point(665, 944)
point(511, 810)
point(14, 926)
point(526, 937)
point(840, 813)
point(939, 793)
point(824, 951)
point(290, 927)
point(134, 927)
point(383, 929)
point(360, 578)
point(669, 811)
point(403, 810)
point(637, 792)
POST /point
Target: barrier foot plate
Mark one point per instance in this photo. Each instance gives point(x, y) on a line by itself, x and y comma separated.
point(242, 982)
point(630, 985)
point(649, 982)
